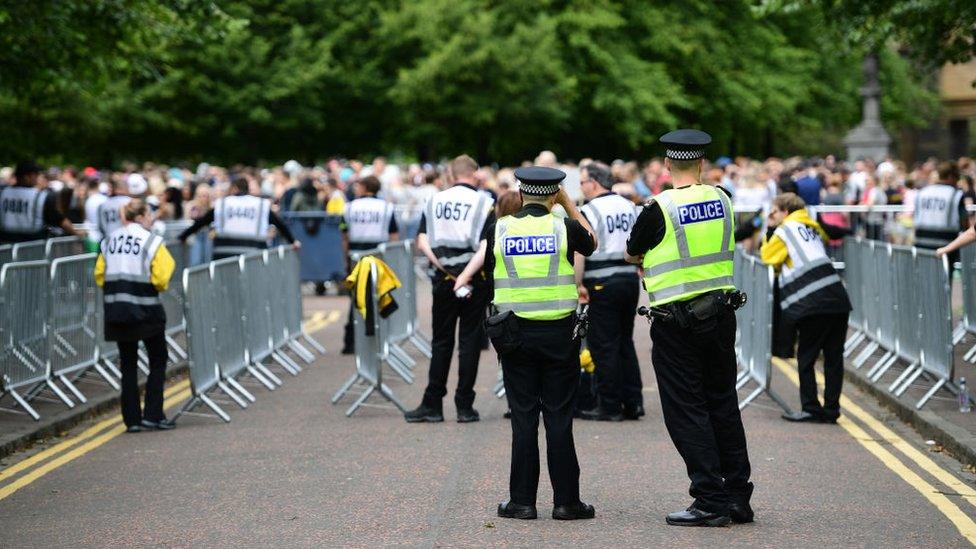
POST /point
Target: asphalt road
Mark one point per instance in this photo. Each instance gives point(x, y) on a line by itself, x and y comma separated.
point(292, 470)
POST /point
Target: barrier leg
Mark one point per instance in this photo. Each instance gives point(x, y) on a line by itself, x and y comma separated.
point(402, 356)
point(240, 389)
point(302, 352)
point(106, 376)
point(319, 348)
point(742, 381)
point(752, 396)
point(175, 347)
point(958, 333)
point(908, 382)
point(399, 369)
point(359, 401)
point(970, 354)
point(71, 387)
point(884, 368)
point(385, 391)
point(111, 367)
point(851, 344)
point(345, 388)
point(904, 375)
point(256, 374)
point(203, 399)
point(421, 345)
point(57, 391)
point(285, 362)
point(23, 404)
point(877, 365)
point(779, 400)
point(938, 385)
point(865, 354)
point(234, 396)
point(267, 373)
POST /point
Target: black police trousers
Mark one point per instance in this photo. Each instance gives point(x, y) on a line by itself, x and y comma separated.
point(543, 375)
point(450, 316)
point(611, 342)
point(696, 372)
point(821, 333)
point(132, 414)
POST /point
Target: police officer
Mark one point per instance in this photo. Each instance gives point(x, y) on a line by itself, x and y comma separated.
point(813, 298)
point(110, 211)
point(26, 212)
point(450, 235)
point(240, 223)
point(611, 286)
point(368, 221)
point(940, 213)
point(684, 240)
point(133, 267)
point(531, 264)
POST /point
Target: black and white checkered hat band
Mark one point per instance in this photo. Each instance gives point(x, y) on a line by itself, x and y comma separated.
point(685, 155)
point(538, 190)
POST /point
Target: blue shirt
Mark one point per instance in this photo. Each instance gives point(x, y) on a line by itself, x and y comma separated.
point(808, 187)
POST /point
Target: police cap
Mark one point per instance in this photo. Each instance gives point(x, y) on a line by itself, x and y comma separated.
point(685, 144)
point(538, 180)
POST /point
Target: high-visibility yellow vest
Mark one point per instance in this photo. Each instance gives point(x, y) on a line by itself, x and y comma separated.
point(695, 256)
point(533, 277)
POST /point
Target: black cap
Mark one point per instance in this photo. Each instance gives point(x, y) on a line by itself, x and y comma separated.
point(685, 144)
point(538, 180)
point(26, 167)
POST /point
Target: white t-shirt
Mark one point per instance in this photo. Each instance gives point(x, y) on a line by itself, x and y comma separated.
point(91, 214)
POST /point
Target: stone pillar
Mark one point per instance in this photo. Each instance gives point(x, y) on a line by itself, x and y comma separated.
point(869, 138)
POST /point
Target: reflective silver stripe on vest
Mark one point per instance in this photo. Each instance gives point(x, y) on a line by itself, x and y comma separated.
point(688, 262)
point(796, 245)
point(461, 259)
point(537, 306)
point(142, 278)
point(807, 267)
point(679, 230)
point(698, 285)
point(606, 272)
point(795, 297)
point(477, 221)
point(560, 280)
point(133, 299)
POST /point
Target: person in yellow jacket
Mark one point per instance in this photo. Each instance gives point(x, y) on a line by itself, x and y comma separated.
point(133, 267)
point(684, 240)
point(812, 298)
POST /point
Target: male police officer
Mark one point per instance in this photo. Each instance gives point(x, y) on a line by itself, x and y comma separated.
point(611, 286)
point(813, 298)
point(368, 221)
point(531, 262)
point(450, 235)
point(684, 240)
point(240, 223)
point(26, 212)
point(940, 213)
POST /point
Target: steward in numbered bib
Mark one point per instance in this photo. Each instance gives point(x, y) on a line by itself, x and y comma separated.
point(940, 213)
point(240, 223)
point(368, 221)
point(684, 240)
point(26, 212)
point(133, 267)
point(813, 298)
point(536, 336)
point(123, 191)
point(451, 233)
point(611, 287)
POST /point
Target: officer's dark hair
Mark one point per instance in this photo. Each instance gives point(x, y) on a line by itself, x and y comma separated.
point(371, 185)
point(948, 171)
point(789, 202)
point(240, 184)
point(600, 172)
point(134, 209)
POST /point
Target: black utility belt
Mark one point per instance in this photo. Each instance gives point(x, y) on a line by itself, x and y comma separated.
point(698, 310)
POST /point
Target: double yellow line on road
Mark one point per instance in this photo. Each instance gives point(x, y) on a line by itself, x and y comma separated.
point(50, 459)
point(962, 522)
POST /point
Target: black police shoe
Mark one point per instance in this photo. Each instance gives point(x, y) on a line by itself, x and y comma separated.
point(633, 412)
point(741, 513)
point(347, 351)
point(135, 429)
point(468, 415)
point(693, 516)
point(576, 511)
point(424, 414)
point(802, 417)
point(601, 414)
point(507, 414)
point(517, 511)
point(164, 425)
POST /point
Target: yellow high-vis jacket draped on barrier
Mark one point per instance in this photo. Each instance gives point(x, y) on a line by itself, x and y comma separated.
point(386, 283)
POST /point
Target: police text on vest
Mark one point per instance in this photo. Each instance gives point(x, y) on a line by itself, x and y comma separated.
point(701, 211)
point(530, 245)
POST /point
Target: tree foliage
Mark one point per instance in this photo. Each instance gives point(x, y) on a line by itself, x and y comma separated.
point(265, 80)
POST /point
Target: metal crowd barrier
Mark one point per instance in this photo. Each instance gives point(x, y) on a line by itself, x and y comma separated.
point(34, 250)
point(172, 298)
point(403, 322)
point(372, 351)
point(6, 254)
point(754, 322)
point(907, 320)
point(63, 246)
point(254, 298)
point(967, 258)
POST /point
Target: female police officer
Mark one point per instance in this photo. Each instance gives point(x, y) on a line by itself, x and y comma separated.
point(133, 267)
point(531, 262)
